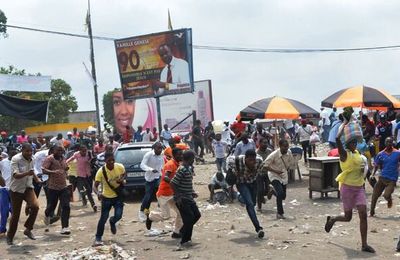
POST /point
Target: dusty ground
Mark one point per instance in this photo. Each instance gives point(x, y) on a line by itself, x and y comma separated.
point(226, 231)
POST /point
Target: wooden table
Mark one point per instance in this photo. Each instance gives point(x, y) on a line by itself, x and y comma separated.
point(323, 172)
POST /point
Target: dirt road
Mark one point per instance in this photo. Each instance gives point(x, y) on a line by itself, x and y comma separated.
point(225, 232)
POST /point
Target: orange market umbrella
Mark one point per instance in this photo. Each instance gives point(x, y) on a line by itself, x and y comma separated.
point(361, 96)
point(277, 108)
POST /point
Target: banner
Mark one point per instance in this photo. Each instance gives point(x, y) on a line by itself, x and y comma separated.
point(143, 112)
point(24, 108)
point(25, 83)
point(156, 64)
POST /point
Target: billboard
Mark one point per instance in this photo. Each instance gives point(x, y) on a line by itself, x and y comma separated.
point(143, 112)
point(25, 83)
point(155, 64)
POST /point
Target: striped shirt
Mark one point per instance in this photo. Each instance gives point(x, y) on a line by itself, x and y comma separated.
point(183, 183)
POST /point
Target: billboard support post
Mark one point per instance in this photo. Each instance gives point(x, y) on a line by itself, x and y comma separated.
point(194, 113)
point(159, 114)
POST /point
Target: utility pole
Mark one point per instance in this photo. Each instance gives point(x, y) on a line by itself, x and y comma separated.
point(96, 96)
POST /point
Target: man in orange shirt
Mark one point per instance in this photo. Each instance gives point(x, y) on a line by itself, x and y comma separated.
point(175, 142)
point(165, 195)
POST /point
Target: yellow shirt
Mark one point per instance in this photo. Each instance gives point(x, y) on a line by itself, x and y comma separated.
point(351, 170)
point(112, 176)
point(72, 168)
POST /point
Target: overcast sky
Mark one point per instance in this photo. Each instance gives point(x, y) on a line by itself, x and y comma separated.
point(238, 78)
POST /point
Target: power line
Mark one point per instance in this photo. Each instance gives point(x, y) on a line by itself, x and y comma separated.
point(231, 49)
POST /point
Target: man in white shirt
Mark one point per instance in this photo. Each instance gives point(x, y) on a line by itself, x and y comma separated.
point(152, 164)
point(37, 167)
point(5, 202)
point(147, 135)
point(175, 74)
point(278, 163)
point(226, 133)
point(326, 124)
point(165, 135)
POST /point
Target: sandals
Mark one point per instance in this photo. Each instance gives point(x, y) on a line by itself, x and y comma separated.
point(368, 249)
point(329, 224)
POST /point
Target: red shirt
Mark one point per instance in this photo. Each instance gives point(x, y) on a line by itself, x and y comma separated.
point(165, 188)
point(99, 149)
point(238, 127)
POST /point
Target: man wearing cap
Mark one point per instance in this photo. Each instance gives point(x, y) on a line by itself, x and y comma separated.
point(70, 139)
point(175, 142)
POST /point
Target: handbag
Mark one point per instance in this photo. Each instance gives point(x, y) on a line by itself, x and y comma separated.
point(120, 191)
point(314, 138)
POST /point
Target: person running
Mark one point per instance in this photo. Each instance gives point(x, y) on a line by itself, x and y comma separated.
point(5, 202)
point(165, 195)
point(351, 182)
point(110, 176)
point(21, 189)
point(83, 158)
point(246, 168)
point(152, 163)
point(56, 168)
point(388, 162)
point(263, 183)
point(278, 164)
point(184, 196)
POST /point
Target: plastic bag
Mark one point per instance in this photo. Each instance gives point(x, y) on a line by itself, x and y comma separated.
point(314, 138)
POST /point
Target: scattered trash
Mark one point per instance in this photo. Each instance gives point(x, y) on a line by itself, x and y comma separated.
point(185, 256)
point(112, 251)
point(294, 202)
point(155, 232)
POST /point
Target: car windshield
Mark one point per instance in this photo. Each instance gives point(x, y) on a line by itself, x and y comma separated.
point(131, 156)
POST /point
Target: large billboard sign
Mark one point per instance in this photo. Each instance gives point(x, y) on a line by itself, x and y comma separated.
point(156, 64)
point(175, 108)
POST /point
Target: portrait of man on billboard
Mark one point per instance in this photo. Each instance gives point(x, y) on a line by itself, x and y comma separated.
point(156, 64)
point(174, 75)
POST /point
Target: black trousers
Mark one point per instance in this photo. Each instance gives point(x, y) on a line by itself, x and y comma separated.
point(280, 193)
point(262, 188)
point(190, 215)
point(64, 196)
point(306, 149)
point(85, 189)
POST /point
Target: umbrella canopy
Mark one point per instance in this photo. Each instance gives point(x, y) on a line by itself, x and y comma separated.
point(277, 108)
point(361, 96)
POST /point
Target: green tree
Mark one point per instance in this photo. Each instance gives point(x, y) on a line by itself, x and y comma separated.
point(108, 107)
point(3, 22)
point(61, 102)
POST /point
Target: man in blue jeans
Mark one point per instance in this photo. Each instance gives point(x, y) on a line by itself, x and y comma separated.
point(152, 163)
point(246, 168)
point(5, 202)
point(110, 176)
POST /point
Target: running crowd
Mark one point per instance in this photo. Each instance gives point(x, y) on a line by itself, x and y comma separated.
point(253, 160)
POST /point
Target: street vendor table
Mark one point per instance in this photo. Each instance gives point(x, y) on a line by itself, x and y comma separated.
point(323, 172)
